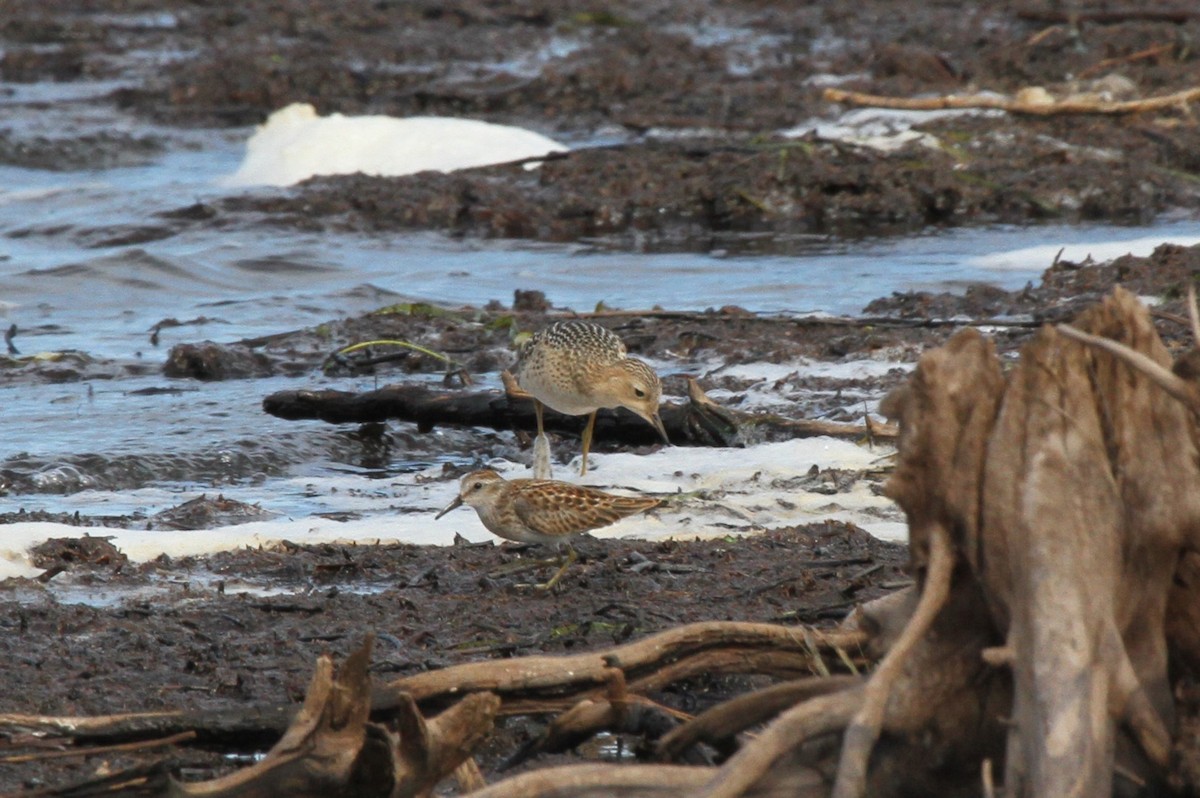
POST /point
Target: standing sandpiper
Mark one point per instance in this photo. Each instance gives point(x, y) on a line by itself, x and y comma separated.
point(576, 368)
point(542, 510)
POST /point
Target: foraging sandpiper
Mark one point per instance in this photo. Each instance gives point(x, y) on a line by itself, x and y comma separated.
point(576, 368)
point(542, 510)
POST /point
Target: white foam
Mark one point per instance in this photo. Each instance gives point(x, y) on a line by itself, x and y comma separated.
point(296, 144)
point(716, 491)
point(1040, 257)
point(881, 128)
point(845, 370)
point(777, 387)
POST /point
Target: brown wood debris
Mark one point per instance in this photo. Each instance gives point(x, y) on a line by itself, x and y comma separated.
point(698, 422)
point(1033, 102)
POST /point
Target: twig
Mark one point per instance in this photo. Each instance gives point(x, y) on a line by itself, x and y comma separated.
point(864, 729)
point(1140, 55)
point(1016, 106)
point(597, 779)
point(707, 317)
point(1178, 16)
point(821, 715)
point(737, 714)
point(102, 749)
point(687, 648)
point(1170, 382)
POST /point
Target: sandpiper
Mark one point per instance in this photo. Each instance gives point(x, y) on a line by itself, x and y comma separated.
point(576, 368)
point(542, 510)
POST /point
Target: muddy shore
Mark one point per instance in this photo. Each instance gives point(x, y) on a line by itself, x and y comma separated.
point(683, 104)
point(677, 109)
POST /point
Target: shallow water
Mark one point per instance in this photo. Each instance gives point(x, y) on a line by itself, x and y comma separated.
point(61, 282)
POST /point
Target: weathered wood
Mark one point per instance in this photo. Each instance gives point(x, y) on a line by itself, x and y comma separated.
point(1031, 104)
point(536, 684)
point(576, 676)
point(331, 748)
point(320, 748)
point(245, 725)
point(1070, 501)
point(864, 728)
point(601, 781)
point(1090, 494)
point(617, 711)
point(736, 715)
point(696, 423)
point(1068, 493)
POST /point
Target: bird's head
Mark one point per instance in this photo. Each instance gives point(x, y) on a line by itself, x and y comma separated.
point(634, 385)
point(475, 489)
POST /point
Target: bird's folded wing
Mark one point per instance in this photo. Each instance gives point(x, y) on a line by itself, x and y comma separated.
point(569, 509)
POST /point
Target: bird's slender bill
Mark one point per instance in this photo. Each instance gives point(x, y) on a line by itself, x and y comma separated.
point(456, 503)
point(657, 421)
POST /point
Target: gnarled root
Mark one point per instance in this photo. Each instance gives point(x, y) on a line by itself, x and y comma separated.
point(827, 714)
point(601, 781)
point(725, 720)
point(331, 748)
point(864, 728)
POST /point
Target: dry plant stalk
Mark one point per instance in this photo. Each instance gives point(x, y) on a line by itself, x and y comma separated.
point(1017, 105)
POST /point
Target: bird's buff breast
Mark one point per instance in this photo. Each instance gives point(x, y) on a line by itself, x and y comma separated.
point(508, 526)
point(552, 396)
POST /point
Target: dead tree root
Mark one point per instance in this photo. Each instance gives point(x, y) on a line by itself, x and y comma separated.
point(331, 748)
point(717, 725)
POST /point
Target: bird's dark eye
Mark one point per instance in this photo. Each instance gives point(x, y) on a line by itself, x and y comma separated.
point(477, 486)
point(639, 393)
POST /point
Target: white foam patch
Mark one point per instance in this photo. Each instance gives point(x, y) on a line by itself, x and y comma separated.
point(708, 491)
point(881, 128)
point(712, 492)
point(296, 144)
point(776, 387)
point(1040, 257)
point(847, 370)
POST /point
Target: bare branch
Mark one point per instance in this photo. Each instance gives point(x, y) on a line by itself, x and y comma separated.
point(1177, 387)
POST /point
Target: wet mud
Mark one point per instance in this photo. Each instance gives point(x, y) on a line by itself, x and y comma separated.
point(243, 629)
point(674, 109)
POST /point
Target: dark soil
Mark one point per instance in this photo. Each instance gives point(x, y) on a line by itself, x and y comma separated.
point(203, 643)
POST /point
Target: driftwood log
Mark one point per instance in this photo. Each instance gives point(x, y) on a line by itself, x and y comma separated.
point(698, 422)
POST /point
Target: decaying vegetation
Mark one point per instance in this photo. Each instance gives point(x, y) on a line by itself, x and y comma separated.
point(1052, 511)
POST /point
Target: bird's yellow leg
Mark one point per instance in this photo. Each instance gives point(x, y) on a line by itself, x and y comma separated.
point(587, 440)
point(571, 558)
point(541, 447)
